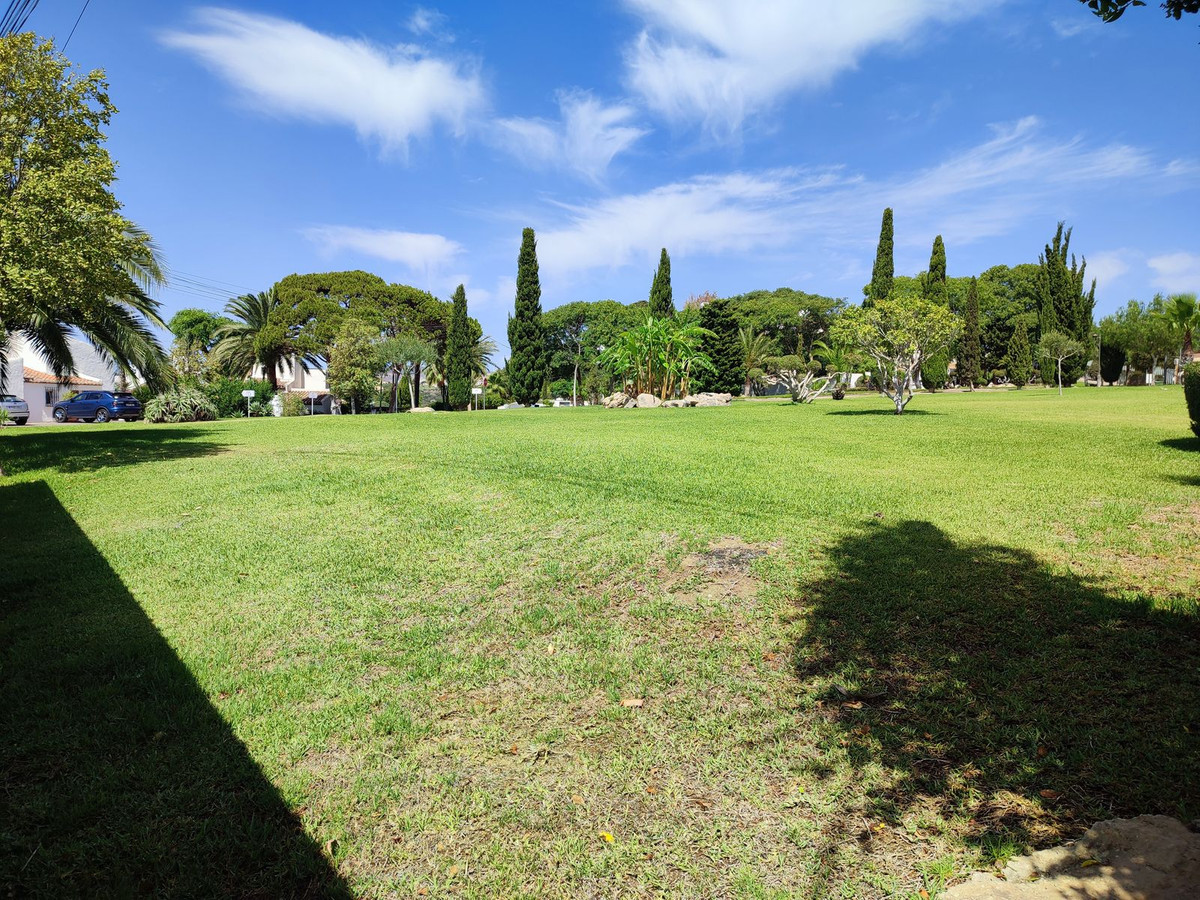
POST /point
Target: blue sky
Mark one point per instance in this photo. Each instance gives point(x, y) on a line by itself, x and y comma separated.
point(758, 141)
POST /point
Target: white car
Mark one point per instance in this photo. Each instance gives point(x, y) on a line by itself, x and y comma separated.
point(18, 410)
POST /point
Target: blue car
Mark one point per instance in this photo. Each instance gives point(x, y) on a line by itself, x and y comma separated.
point(98, 406)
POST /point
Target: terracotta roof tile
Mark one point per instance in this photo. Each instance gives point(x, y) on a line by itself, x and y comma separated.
point(33, 376)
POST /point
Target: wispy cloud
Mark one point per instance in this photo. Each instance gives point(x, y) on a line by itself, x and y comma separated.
point(1107, 265)
point(1176, 272)
point(1069, 28)
point(389, 94)
point(1017, 175)
point(585, 139)
point(718, 62)
point(418, 252)
point(428, 22)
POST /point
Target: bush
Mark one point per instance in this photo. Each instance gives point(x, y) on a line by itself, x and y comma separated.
point(561, 388)
point(935, 370)
point(184, 404)
point(293, 405)
point(1191, 393)
point(226, 394)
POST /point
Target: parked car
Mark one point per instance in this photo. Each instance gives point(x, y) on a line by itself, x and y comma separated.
point(18, 410)
point(99, 406)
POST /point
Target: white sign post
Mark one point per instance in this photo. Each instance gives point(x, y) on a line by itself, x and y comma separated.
point(247, 394)
point(478, 392)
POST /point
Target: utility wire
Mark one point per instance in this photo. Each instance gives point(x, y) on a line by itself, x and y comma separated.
point(76, 25)
point(16, 16)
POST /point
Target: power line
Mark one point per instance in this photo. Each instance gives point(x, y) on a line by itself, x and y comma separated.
point(17, 15)
point(76, 25)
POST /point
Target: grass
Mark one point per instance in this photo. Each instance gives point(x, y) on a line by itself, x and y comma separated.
point(386, 656)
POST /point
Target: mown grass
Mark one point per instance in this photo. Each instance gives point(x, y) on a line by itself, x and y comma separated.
point(387, 655)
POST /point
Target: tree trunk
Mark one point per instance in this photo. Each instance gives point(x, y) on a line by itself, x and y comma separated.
point(394, 403)
point(1060, 377)
point(415, 383)
point(575, 386)
point(412, 393)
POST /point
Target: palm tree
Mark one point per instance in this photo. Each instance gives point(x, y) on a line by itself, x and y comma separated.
point(120, 325)
point(482, 352)
point(755, 349)
point(1183, 317)
point(404, 355)
point(253, 339)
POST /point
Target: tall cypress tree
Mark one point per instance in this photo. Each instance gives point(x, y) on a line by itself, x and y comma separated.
point(723, 348)
point(935, 278)
point(1063, 303)
point(526, 337)
point(1020, 356)
point(458, 353)
point(884, 274)
point(969, 350)
point(662, 305)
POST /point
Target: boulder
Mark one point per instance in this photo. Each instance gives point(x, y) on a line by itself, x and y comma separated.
point(511, 406)
point(421, 409)
point(648, 401)
point(674, 404)
point(616, 401)
point(630, 404)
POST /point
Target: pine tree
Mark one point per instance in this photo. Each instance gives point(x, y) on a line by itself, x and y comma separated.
point(724, 348)
point(1020, 356)
point(935, 279)
point(969, 350)
point(526, 337)
point(884, 274)
point(458, 353)
point(662, 305)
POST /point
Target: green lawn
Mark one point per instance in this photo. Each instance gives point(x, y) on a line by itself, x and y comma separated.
point(386, 655)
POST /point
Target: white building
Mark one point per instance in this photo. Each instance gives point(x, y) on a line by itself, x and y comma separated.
point(29, 376)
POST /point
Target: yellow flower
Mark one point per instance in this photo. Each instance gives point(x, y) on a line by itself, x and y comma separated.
point(606, 837)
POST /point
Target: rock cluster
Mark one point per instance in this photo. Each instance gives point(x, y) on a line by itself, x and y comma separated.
point(621, 400)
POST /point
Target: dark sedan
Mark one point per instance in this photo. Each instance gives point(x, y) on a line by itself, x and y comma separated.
point(98, 406)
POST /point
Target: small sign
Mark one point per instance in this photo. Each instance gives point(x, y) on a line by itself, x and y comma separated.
point(476, 391)
point(247, 393)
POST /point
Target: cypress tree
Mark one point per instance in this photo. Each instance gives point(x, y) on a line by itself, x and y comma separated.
point(935, 278)
point(526, 337)
point(1063, 304)
point(969, 350)
point(723, 348)
point(1020, 356)
point(458, 353)
point(662, 305)
point(884, 274)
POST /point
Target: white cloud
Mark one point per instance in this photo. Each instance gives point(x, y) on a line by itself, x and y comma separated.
point(418, 252)
point(1176, 273)
point(1069, 28)
point(427, 22)
point(1183, 168)
point(587, 136)
point(286, 69)
point(717, 61)
point(1015, 176)
point(1107, 266)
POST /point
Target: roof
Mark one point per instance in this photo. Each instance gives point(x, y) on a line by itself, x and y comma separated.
point(33, 376)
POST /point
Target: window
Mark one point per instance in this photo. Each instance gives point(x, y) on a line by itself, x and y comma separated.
point(51, 396)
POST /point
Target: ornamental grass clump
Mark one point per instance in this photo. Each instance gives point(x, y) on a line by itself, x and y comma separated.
point(184, 404)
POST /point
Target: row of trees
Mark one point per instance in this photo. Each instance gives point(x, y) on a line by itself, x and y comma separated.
point(373, 336)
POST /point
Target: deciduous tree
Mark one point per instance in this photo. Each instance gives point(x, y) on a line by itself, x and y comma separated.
point(895, 334)
point(1055, 348)
point(354, 364)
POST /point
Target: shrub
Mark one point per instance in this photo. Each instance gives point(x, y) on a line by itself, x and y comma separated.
point(561, 388)
point(226, 394)
point(935, 370)
point(293, 405)
point(184, 404)
point(1191, 393)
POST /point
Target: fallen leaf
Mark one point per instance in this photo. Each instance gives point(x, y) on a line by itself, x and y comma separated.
point(422, 892)
point(441, 847)
point(577, 800)
point(513, 749)
point(651, 789)
point(550, 651)
point(632, 702)
point(331, 846)
point(857, 704)
point(1089, 862)
point(702, 802)
point(1042, 751)
point(606, 837)
point(1049, 794)
point(923, 894)
point(770, 657)
point(452, 871)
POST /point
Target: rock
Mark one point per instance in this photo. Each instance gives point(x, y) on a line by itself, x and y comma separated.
point(648, 401)
point(630, 404)
point(1138, 859)
point(511, 406)
point(616, 401)
point(421, 409)
point(674, 404)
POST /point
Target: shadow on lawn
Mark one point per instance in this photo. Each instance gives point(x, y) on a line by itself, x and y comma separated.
point(119, 778)
point(985, 680)
point(884, 411)
point(71, 448)
point(1191, 444)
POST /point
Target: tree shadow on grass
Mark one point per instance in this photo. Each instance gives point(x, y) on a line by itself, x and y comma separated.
point(1024, 703)
point(118, 777)
point(884, 411)
point(68, 448)
point(1191, 444)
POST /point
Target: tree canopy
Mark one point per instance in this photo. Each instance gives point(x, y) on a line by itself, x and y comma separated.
point(1111, 10)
